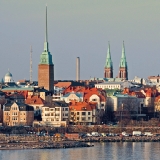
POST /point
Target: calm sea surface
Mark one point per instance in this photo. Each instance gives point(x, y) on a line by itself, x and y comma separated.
point(100, 151)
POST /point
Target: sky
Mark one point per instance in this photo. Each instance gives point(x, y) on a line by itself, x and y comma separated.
point(80, 28)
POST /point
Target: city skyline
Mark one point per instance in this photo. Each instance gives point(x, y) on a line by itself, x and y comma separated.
point(80, 29)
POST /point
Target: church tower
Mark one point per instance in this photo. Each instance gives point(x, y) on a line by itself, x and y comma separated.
point(123, 68)
point(108, 70)
point(46, 66)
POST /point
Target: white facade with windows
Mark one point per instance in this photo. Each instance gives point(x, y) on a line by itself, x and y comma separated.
point(114, 85)
point(56, 116)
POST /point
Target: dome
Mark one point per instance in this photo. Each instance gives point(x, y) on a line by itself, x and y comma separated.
point(8, 74)
point(8, 77)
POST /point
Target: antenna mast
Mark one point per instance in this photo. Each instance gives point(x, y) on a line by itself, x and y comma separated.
point(31, 65)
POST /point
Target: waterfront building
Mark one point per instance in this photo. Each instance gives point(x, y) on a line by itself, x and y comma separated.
point(123, 68)
point(55, 115)
point(108, 70)
point(150, 95)
point(46, 66)
point(83, 113)
point(36, 102)
point(17, 114)
point(88, 94)
point(122, 101)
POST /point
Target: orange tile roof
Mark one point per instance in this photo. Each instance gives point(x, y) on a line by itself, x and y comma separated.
point(34, 100)
point(82, 106)
point(88, 92)
point(157, 98)
point(62, 84)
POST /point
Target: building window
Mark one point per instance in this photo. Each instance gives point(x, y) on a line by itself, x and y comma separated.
point(89, 113)
point(66, 114)
point(66, 109)
point(57, 109)
point(77, 113)
point(83, 118)
point(37, 107)
point(83, 113)
point(89, 118)
point(46, 109)
point(77, 118)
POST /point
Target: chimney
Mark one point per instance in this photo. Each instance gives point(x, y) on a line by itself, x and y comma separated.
point(77, 69)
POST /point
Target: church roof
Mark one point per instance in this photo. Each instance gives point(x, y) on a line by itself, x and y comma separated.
point(123, 62)
point(108, 63)
point(8, 74)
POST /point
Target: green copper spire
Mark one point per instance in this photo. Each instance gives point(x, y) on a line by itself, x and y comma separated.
point(108, 59)
point(123, 62)
point(46, 57)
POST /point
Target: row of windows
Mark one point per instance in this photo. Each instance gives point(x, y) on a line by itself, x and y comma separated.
point(110, 87)
point(56, 109)
point(16, 118)
point(82, 113)
point(52, 119)
point(51, 114)
point(14, 108)
point(84, 118)
point(13, 113)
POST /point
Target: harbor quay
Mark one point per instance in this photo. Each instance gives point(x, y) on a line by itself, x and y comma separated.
point(17, 142)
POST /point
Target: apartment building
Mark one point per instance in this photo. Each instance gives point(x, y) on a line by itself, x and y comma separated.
point(18, 114)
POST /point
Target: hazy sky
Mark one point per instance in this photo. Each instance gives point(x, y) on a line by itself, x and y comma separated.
point(80, 28)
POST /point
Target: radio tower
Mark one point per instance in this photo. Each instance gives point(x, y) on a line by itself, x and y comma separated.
point(31, 65)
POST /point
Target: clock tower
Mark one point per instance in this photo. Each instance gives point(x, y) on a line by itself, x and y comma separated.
point(46, 66)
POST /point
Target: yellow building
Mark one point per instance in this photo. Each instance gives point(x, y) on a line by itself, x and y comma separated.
point(18, 114)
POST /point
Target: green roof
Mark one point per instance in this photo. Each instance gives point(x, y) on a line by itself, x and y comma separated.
point(108, 63)
point(123, 62)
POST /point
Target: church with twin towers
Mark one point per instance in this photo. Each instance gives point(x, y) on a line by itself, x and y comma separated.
point(123, 68)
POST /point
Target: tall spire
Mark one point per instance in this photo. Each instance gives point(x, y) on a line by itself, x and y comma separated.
point(123, 51)
point(108, 69)
point(123, 62)
point(108, 59)
point(46, 48)
point(46, 34)
point(123, 68)
point(46, 57)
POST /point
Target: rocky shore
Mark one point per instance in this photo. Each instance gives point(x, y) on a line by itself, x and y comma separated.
point(42, 145)
point(13, 142)
point(122, 139)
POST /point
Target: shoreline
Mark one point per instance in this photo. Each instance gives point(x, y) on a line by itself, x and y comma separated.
point(64, 144)
point(43, 145)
